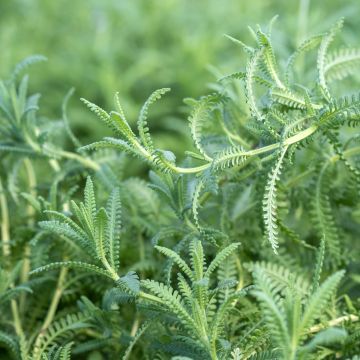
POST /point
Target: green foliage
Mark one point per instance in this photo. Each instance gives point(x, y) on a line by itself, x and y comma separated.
point(270, 204)
point(290, 318)
point(97, 233)
point(58, 331)
point(212, 255)
point(194, 303)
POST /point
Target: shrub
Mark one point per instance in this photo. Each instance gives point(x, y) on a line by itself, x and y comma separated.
point(245, 250)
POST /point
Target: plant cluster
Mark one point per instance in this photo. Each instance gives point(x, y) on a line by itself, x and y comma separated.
point(245, 249)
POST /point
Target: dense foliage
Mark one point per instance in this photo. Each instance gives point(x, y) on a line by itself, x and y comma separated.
point(246, 248)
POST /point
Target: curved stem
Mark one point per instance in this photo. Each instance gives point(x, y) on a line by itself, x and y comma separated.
point(193, 170)
point(84, 161)
point(290, 183)
point(73, 156)
point(291, 140)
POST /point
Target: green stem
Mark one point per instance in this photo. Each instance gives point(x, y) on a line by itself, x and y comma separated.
point(348, 153)
point(5, 223)
point(135, 326)
point(110, 269)
point(56, 298)
point(234, 136)
point(73, 156)
point(334, 322)
point(292, 182)
point(213, 352)
point(24, 276)
point(298, 178)
point(5, 236)
point(17, 321)
point(196, 169)
point(53, 305)
point(55, 165)
point(291, 140)
point(150, 297)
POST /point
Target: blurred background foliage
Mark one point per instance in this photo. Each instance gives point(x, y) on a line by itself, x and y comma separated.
point(134, 47)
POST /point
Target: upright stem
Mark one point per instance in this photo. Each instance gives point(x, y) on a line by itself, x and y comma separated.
point(56, 298)
point(213, 353)
point(5, 223)
point(24, 276)
point(17, 321)
point(135, 326)
point(5, 237)
point(53, 305)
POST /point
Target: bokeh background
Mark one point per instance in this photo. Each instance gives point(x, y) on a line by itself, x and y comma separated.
point(134, 47)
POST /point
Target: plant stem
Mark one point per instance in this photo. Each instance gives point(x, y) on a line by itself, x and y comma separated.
point(53, 305)
point(334, 322)
point(5, 223)
point(213, 353)
point(291, 140)
point(56, 298)
point(54, 164)
point(241, 274)
point(135, 327)
point(5, 237)
point(17, 321)
point(73, 156)
point(347, 153)
point(24, 276)
point(150, 297)
point(84, 161)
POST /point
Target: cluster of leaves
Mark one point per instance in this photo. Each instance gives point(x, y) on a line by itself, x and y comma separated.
point(213, 259)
